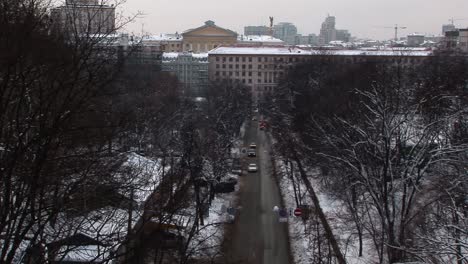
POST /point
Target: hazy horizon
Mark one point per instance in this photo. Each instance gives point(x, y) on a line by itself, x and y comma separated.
point(363, 18)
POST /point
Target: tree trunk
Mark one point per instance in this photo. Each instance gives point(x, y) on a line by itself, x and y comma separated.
point(328, 230)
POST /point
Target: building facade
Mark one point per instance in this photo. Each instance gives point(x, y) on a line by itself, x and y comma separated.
point(207, 37)
point(310, 39)
point(165, 42)
point(415, 40)
point(261, 68)
point(84, 17)
point(286, 32)
point(257, 31)
point(190, 69)
point(342, 35)
point(463, 39)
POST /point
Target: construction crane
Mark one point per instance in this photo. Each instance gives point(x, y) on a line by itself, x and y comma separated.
point(396, 28)
point(452, 20)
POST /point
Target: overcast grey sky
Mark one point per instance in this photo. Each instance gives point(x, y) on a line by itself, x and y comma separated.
point(361, 17)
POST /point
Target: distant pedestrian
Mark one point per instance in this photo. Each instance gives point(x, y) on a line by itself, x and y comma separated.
point(275, 209)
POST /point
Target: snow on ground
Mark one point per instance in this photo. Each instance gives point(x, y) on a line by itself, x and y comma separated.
point(208, 242)
point(301, 234)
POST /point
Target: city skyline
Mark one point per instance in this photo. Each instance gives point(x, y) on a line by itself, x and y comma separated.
point(363, 18)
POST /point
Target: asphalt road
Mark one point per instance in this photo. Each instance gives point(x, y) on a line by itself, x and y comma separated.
point(257, 236)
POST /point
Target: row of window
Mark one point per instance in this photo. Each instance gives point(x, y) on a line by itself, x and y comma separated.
point(243, 73)
point(249, 80)
point(249, 66)
point(344, 59)
point(259, 59)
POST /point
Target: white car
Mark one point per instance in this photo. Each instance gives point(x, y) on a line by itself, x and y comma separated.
point(252, 167)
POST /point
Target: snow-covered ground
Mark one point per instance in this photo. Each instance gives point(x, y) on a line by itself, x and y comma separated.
point(303, 234)
point(207, 244)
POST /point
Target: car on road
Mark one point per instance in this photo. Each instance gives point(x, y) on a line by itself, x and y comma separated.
point(253, 145)
point(252, 167)
point(251, 153)
point(237, 171)
point(254, 118)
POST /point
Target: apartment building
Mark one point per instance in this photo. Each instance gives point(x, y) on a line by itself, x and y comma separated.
point(84, 17)
point(191, 70)
point(262, 68)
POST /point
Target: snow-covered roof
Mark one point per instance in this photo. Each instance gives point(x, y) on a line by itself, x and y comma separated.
point(174, 55)
point(259, 38)
point(163, 37)
point(272, 50)
point(286, 50)
point(145, 174)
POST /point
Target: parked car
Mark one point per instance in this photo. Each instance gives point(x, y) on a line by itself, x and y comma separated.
point(252, 167)
point(225, 187)
point(237, 171)
point(251, 153)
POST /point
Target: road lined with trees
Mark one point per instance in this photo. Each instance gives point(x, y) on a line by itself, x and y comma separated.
point(390, 142)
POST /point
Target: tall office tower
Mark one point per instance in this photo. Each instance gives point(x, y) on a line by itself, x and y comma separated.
point(327, 31)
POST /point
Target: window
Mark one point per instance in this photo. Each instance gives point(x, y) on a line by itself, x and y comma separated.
point(243, 66)
point(217, 66)
point(259, 80)
point(250, 73)
point(250, 66)
point(230, 66)
point(243, 59)
point(259, 66)
point(237, 59)
point(243, 73)
point(224, 66)
point(217, 58)
point(237, 66)
point(224, 59)
point(230, 59)
point(250, 80)
point(230, 73)
point(250, 59)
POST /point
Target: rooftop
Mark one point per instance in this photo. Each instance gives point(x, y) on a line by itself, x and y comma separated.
point(291, 50)
point(162, 37)
point(259, 38)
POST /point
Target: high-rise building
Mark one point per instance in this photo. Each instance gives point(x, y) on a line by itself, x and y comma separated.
point(327, 31)
point(447, 27)
point(342, 35)
point(286, 32)
point(256, 31)
point(83, 17)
